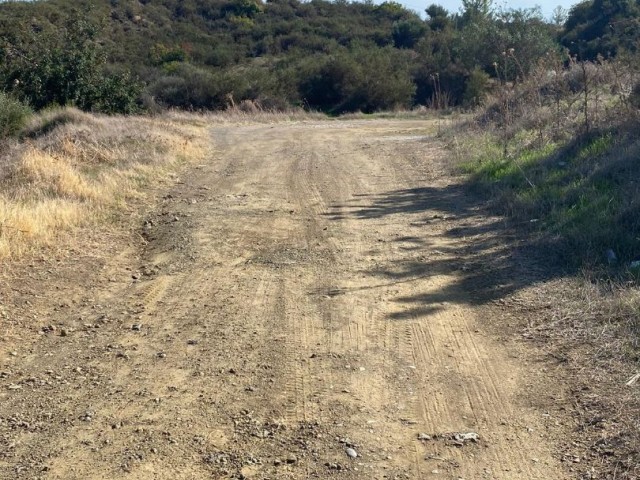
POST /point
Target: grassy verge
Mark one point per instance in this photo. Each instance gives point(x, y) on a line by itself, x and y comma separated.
point(583, 192)
point(73, 170)
point(558, 155)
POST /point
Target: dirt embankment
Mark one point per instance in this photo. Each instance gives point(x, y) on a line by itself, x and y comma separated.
point(317, 300)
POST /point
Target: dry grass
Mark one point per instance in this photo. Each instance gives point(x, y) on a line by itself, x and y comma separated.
point(245, 112)
point(75, 170)
point(594, 331)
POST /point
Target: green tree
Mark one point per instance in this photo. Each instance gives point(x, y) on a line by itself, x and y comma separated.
point(64, 67)
point(406, 33)
point(439, 18)
point(602, 27)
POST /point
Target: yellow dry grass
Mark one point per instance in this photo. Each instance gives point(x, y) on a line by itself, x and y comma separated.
point(75, 170)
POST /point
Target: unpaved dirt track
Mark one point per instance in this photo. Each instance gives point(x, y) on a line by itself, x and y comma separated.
point(299, 294)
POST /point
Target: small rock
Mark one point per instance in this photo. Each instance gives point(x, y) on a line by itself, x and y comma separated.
point(351, 453)
point(192, 342)
point(424, 436)
point(292, 459)
point(136, 327)
point(466, 437)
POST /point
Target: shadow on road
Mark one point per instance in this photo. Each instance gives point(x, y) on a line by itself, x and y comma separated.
point(449, 232)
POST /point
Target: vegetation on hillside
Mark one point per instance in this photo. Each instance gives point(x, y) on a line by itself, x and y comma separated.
point(122, 55)
point(559, 151)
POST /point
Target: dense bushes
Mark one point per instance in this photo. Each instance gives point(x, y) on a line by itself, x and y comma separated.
point(64, 67)
point(364, 80)
point(335, 56)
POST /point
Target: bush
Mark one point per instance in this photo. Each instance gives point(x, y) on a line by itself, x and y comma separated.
point(13, 115)
point(195, 88)
point(476, 88)
point(365, 80)
point(65, 67)
point(117, 94)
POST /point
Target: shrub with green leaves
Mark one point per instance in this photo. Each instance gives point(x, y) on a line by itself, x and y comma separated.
point(64, 67)
point(13, 115)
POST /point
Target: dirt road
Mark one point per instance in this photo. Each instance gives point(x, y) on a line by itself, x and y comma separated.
point(317, 289)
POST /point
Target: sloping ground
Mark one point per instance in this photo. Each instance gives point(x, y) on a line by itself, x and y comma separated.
point(314, 290)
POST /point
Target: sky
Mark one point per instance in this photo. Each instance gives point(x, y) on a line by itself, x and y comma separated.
point(453, 6)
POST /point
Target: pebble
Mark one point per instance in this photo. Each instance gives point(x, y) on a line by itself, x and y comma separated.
point(351, 453)
point(424, 436)
point(136, 327)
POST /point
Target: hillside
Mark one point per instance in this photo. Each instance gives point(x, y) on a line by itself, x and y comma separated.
point(333, 56)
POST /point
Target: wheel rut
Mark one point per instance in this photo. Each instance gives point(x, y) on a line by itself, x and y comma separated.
point(300, 295)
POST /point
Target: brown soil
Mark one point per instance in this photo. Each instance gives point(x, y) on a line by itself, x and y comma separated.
point(315, 287)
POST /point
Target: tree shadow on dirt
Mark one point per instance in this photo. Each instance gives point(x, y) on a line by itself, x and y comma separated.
point(447, 232)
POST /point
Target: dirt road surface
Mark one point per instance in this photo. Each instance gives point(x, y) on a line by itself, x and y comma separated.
point(317, 289)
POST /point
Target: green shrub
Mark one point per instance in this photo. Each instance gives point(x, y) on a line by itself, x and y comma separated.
point(13, 115)
point(363, 79)
point(476, 88)
point(117, 94)
point(65, 67)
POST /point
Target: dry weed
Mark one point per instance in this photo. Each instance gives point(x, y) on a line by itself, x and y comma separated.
point(75, 170)
point(244, 113)
point(594, 330)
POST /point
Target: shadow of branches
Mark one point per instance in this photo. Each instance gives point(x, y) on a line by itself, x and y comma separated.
point(446, 231)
